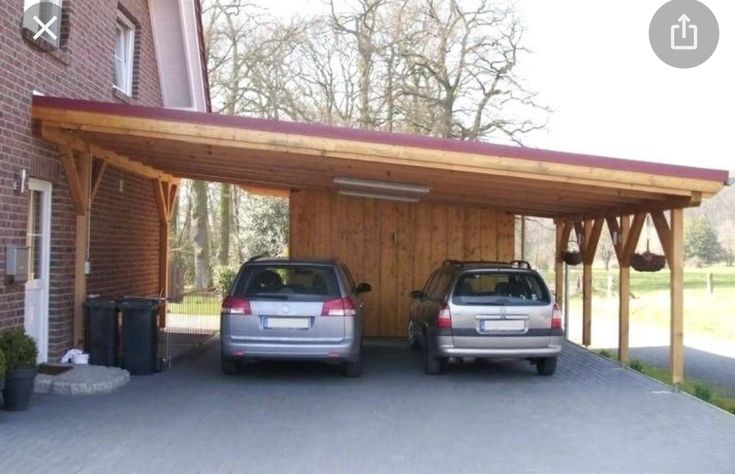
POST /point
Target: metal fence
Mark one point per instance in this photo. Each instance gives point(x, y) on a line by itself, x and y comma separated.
point(195, 312)
point(191, 319)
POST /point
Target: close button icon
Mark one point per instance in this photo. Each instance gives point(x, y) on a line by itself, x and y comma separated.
point(42, 23)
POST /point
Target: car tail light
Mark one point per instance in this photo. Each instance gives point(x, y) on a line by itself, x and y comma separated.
point(556, 317)
point(338, 307)
point(240, 306)
point(445, 318)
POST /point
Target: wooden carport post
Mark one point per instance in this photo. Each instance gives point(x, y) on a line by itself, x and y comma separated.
point(672, 241)
point(563, 230)
point(79, 177)
point(677, 296)
point(165, 195)
point(588, 237)
point(625, 239)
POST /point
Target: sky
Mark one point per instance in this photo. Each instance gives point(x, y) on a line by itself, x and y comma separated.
point(592, 63)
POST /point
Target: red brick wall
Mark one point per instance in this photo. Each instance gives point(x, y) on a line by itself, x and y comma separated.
point(125, 239)
point(83, 69)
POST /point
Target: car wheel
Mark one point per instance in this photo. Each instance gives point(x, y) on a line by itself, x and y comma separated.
point(432, 364)
point(413, 341)
point(546, 366)
point(230, 367)
point(353, 368)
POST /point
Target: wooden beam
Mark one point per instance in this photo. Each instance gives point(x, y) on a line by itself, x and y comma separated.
point(172, 190)
point(165, 195)
point(586, 304)
point(357, 151)
point(72, 177)
point(614, 227)
point(562, 229)
point(81, 246)
point(163, 274)
point(593, 232)
point(160, 189)
point(624, 296)
point(98, 172)
point(74, 142)
point(676, 362)
point(664, 233)
point(631, 242)
point(280, 192)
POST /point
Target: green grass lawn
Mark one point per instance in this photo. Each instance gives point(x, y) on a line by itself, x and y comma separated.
point(704, 312)
point(208, 305)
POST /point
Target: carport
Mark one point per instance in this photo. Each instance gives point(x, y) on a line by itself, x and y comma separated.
point(391, 206)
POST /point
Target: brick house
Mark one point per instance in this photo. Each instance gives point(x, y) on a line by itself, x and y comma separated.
point(128, 51)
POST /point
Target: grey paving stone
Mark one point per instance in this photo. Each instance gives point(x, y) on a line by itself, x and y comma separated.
point(592, 416)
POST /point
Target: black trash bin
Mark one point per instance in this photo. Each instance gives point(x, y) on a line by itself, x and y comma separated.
point(103, 334)
point(139, 335)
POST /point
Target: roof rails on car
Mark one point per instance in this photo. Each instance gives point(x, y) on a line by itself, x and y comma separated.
point(513, 263)
point(257, 257)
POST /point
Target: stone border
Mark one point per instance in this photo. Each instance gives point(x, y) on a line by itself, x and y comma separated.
point(83, 380)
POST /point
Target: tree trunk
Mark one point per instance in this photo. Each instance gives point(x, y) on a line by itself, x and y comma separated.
point(202, 270)
point(225, 220)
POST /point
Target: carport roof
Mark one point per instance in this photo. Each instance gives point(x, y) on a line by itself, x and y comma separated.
point(266, 154)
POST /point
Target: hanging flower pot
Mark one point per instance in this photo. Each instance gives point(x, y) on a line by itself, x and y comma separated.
point(572, 255)
point(647, 262)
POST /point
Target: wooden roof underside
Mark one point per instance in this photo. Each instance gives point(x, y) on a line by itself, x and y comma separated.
point(171, 149)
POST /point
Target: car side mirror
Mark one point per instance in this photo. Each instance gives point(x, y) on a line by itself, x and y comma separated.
point(363, 288)
point(417, 294)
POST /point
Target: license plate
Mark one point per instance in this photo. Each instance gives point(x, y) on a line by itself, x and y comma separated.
point(287, 323)
point(503, 325)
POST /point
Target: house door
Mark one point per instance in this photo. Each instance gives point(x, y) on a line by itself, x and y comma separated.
point(38, 240)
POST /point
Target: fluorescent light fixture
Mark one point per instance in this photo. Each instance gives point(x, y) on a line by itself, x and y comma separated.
point(385, 197)
point(381, 185)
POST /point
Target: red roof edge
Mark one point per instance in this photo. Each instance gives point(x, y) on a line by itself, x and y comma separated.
point(203, 53)
point(343, 133)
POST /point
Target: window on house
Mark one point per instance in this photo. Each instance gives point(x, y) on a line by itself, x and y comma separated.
point(124, 49)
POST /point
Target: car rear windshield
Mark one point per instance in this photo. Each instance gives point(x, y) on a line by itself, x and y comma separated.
point(500, 288)
point(288, 282)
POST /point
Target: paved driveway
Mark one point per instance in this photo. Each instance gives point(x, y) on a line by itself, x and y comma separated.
point(590, 417)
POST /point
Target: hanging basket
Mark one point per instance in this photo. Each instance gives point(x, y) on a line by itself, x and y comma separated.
point(572, 255)
point(647, 262)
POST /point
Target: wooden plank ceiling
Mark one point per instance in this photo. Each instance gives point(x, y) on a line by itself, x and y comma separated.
point(169, 145)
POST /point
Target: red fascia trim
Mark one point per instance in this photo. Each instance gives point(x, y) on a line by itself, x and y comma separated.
point(343, 133)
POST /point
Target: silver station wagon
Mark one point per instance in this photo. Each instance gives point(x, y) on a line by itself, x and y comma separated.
point(485, 310)
point(293, 309)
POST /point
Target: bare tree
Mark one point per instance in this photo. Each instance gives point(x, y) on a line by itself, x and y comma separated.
point(202, 267)
point(465, 70)
point(434, 67)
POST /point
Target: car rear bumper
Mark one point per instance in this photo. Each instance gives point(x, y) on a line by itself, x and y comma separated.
point(347, 350)
point(445, 348)
point(525, 353)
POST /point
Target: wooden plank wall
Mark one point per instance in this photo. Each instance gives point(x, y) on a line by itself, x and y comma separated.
point(394, 246)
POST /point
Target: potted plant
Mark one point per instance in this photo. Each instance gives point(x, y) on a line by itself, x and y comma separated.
point(2, 369)
point(20, 361)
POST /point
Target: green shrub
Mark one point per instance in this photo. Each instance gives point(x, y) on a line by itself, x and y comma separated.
point(19, 348)
point(605, 353)
point(223, 278)
point(637, 365)
point(2, 364)
point(703, 392)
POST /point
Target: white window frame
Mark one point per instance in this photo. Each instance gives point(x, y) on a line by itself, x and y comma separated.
point(124, 26)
